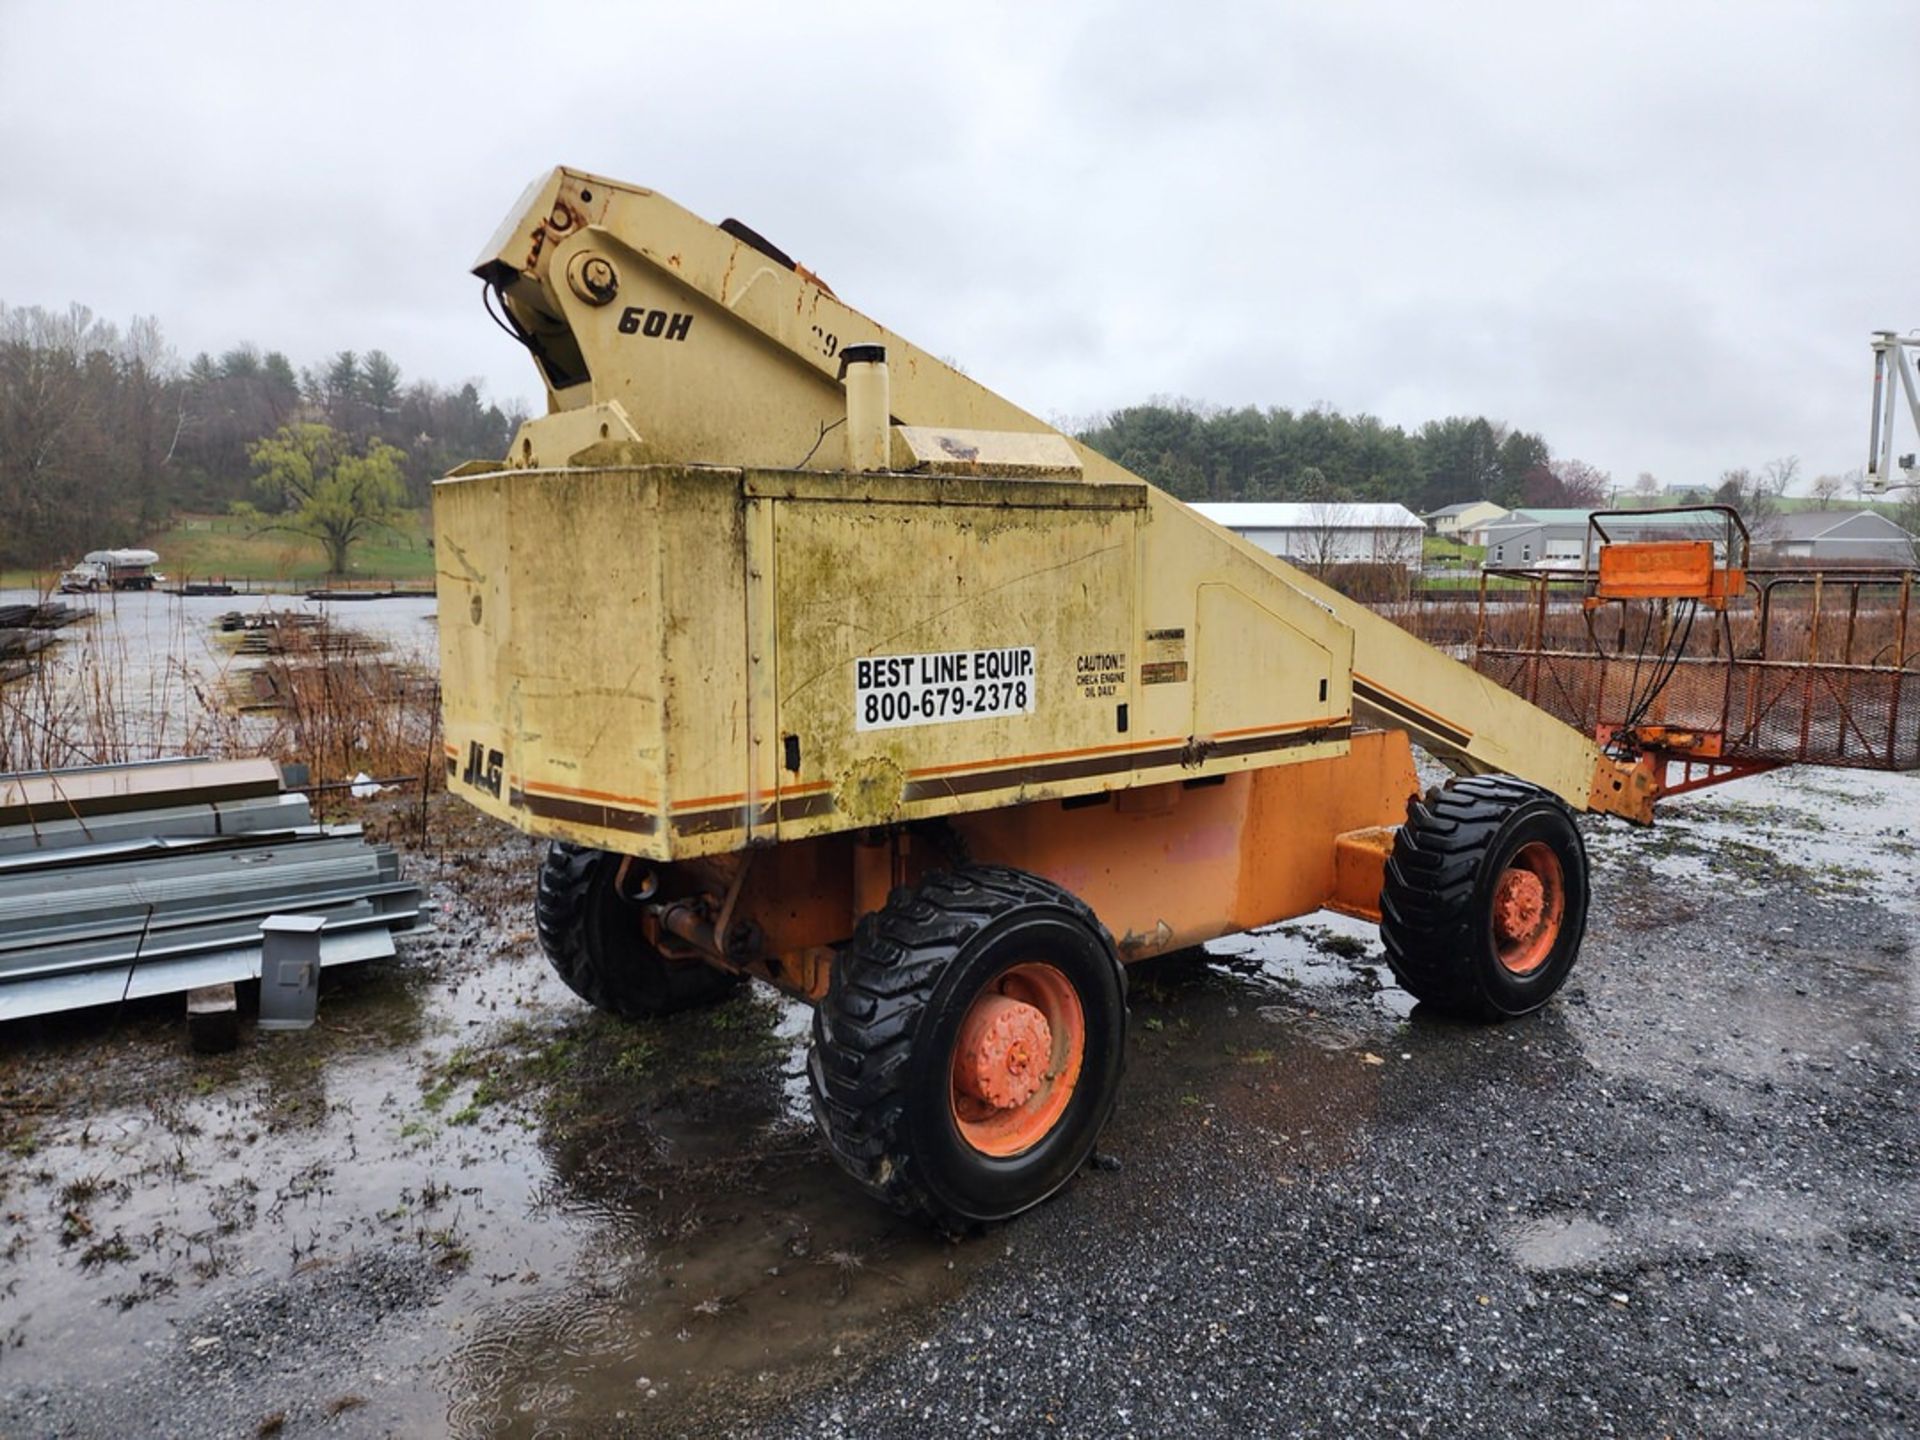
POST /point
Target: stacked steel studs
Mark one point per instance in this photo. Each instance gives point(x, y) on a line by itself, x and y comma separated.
point(127, 881)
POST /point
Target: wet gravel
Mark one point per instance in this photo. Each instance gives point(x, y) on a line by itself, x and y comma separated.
point(228, 1371)
point(1528, 1251)
point(1681, 1201)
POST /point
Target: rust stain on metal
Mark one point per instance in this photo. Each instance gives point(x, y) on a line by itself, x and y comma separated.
point(871, 791)
point(808, 275)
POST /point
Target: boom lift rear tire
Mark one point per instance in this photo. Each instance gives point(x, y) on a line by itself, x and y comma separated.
point(1485, 899)
point(592, 937)
point(969, 1049)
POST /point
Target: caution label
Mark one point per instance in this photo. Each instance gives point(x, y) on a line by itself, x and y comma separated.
point(1101, 674)
point(894, 690)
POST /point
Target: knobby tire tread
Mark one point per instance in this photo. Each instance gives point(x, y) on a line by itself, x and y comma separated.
point(612, 968)
point(1427, 911)
point(860, 1062)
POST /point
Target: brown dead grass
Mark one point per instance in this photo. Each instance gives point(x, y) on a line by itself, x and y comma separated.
point(337, 705)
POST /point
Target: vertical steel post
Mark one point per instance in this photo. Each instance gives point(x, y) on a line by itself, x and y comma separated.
point(1846, 660)
point(1813, 659)
point(1539, 638)
point(1876, 466)
point(1899, 669)
point(290, 971)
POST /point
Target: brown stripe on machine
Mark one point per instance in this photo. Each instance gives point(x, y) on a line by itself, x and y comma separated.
point(1408, 715)
point(585, 812)
point(1190, 752)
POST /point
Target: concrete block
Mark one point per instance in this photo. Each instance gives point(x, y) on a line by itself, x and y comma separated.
point(213, 1019)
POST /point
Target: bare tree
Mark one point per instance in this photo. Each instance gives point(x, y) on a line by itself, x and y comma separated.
point(1778, 475)
point(1646, 487)
point(1585, 486)
point(1753, 497)
point(1329, 523)
point(1907, 517)
point(1828, 488)
point(1541, 487)
point(61, 436)
point(1400, 550)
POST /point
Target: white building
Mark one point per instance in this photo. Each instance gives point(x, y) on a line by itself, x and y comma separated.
point(1836, 537)
point(1317, 535)
point(1561, 538)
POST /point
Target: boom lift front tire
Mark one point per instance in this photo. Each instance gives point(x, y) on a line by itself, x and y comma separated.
point(1485, 899)
point(969, 1049)
point(592, 937)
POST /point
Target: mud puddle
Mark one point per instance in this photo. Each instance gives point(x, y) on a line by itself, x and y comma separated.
point(1293, 1038)
point(1833, 834)
point(465, 1201)
point(462, 1201)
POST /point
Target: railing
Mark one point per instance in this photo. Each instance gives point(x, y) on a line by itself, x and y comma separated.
point(1811, 666)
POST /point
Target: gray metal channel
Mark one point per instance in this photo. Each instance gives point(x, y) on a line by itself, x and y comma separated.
point(168, 880)
point(227, 817)
point(106, 986)
point(132, 881)
point(391, 907)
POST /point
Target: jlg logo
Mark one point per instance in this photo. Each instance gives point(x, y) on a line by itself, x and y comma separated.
point(483, 773)
point(654, 324)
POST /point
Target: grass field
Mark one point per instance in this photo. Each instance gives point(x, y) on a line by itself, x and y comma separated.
point(1440, 550)
point(1470, 580)
point(219, 547)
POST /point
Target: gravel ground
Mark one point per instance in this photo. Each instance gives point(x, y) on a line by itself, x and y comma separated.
point(1681, 1201)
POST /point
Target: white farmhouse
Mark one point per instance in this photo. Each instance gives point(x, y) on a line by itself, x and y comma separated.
point(1467, 522)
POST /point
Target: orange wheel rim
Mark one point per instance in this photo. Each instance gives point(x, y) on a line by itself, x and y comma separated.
point(1529, 905)
point(1017, 1059)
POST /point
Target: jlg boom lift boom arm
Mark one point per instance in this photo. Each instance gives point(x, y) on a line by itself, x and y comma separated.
point(821, 663)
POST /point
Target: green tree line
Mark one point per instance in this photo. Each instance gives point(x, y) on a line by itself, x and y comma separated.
point(1203, 453)
point(105, 431)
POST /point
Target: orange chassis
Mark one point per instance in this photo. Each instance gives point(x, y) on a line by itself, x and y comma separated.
point(1163, 866)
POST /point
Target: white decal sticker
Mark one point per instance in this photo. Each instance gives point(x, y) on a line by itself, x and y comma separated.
point(894, 690)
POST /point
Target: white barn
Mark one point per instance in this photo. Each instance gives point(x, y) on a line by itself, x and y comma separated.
point(1321, 534)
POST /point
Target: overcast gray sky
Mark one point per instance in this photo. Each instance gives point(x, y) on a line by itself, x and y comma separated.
point(1658, 233)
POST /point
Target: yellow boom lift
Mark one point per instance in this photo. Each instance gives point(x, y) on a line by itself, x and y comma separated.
point(820, 663)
